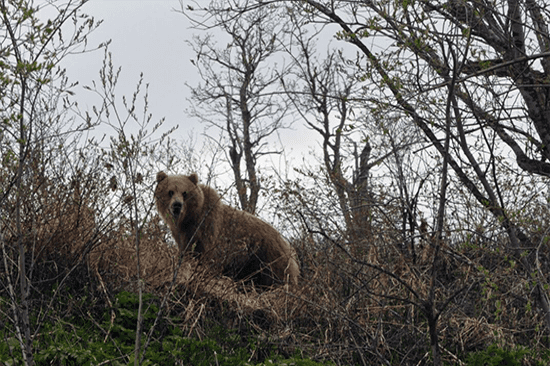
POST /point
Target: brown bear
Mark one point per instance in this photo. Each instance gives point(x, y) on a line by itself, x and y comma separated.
point(239, 244)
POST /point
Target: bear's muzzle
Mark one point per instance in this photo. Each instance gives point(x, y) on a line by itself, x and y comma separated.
point(176, 209)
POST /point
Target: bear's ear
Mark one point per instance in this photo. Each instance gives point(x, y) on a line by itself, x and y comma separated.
point(194, 178)
point(161, 176)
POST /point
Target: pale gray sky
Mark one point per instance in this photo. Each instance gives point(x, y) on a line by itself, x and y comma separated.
point(148, 37)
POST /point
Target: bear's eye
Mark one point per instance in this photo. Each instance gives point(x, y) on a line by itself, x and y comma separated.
point(170, 194)
point(184, 195)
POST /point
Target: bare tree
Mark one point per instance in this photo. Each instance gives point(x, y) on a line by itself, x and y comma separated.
point(239, 93)
point(324, 92)
point(321, 92)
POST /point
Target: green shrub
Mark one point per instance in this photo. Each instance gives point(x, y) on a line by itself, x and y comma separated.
point(495, 356)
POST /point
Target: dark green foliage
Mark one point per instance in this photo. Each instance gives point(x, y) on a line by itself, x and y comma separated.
point(496, 356)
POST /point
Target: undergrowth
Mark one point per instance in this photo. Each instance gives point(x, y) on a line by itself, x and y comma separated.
point(80, 340)
point(497, 356)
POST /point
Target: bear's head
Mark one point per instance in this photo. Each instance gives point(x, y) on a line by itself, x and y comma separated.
point(179, 198)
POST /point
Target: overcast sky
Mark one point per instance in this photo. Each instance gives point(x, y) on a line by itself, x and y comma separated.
point(150, 37)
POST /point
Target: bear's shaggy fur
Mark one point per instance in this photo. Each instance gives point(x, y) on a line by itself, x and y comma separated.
point(239, 244)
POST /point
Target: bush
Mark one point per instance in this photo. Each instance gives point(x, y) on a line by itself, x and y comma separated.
point(496, 356)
